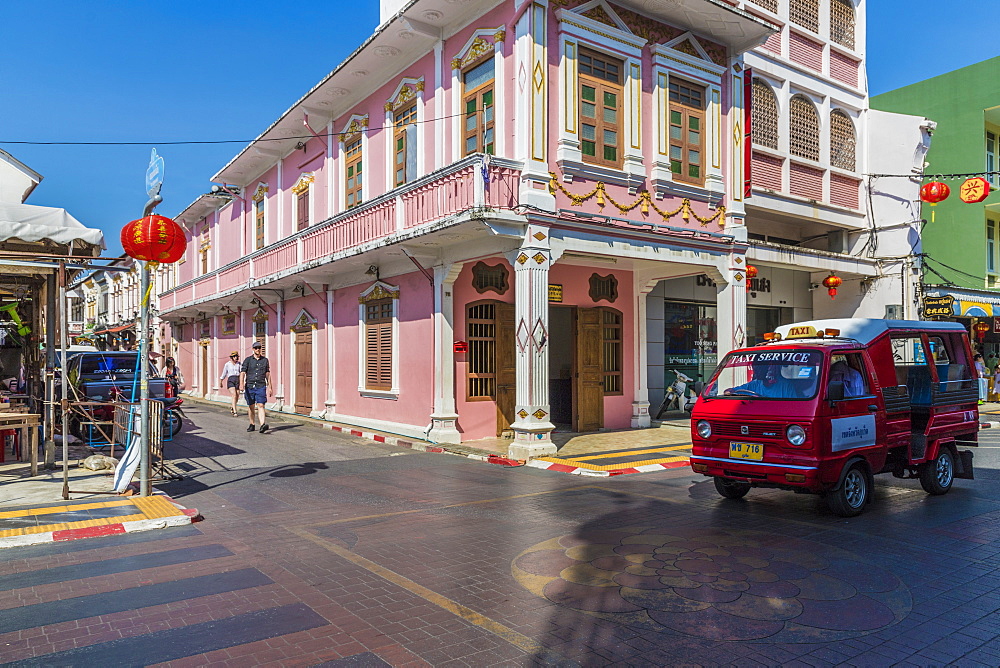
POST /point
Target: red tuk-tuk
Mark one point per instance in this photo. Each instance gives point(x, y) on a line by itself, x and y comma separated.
point(823, 406)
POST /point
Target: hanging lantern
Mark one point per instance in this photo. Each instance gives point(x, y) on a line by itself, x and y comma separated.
point(980, 328)
point(974, 190)
point(751, 274)
point(934, 192)
point(154, 239)
point(831, 283)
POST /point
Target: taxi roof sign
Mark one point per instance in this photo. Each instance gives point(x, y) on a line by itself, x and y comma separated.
point(802, 332)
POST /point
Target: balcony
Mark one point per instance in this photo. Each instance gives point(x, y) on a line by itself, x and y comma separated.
point(427, 201)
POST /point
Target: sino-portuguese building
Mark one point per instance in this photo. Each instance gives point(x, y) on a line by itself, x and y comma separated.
point(470, 226)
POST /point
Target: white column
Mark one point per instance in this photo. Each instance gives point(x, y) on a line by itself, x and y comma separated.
point(640, 398)
point(330, 405)
point(444, 420)
point(531, 104)
point(532, 426)
point(278, 370)
point(731, 295)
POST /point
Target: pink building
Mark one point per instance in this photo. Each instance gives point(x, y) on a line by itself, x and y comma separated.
point(453, 235)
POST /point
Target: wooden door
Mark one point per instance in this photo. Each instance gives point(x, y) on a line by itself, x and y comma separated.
point(204, 371)
point(506, 367)
point(303, 372)
point(588, 371)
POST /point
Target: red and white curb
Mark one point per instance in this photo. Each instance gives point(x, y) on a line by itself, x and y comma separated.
point(423, 447)
point(189, 515)
point(989, 425)
point(577, 470)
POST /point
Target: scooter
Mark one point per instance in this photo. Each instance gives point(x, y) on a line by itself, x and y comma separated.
point(676, 393)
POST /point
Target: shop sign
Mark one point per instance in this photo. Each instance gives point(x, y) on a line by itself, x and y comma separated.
point(937, 307)
point(703, 280)
point(555, 293)
point(760, 285)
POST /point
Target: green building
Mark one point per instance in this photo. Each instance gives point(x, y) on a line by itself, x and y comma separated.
point(961, 251)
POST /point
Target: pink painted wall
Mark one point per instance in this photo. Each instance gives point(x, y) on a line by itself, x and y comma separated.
point(477, 419)
point(225, 239)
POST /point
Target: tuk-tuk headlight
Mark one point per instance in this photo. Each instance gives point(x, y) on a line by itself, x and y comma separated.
point(704, 429)
point(795, 434)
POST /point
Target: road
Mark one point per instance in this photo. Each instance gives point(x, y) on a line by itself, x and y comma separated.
point(318, 548)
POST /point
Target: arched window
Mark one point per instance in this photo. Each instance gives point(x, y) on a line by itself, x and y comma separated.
point(764, 116)
point(803, 130)
point(842, 141)
point(842, 23)
point(804, 13)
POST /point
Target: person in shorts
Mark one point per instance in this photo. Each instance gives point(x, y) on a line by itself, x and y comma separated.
point(255, 382)
point(231, 377)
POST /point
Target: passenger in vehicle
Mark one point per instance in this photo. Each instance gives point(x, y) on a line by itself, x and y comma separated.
point(854, 382)
point(768, 381)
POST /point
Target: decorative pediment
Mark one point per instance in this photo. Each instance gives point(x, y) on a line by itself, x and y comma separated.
point(475, 50)
point(379, 290)
point(602, 12)
point(303, 322)
point(690, 45)
point(259, 316)
point(303, 183)
point(260, 193)
point(406, 92)
point(355, 125)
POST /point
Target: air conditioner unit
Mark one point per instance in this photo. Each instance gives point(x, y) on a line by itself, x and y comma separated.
point(893, 311)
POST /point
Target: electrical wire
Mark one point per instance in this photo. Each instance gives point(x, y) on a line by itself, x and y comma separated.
point(227, 141)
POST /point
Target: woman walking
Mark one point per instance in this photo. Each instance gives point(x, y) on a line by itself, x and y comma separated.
point(231, 376)
point(173, 375)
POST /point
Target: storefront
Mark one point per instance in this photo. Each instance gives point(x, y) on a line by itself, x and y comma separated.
point(776, 297)
point(970, 308)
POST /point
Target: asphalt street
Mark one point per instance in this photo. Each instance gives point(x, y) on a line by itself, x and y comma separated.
point(318, 548)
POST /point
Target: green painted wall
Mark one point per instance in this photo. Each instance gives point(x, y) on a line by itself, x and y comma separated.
point(956, 101)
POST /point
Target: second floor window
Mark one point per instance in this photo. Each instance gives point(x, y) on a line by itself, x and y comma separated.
point(842, 141)
point(842, 22)
point(803, 131)
point(992, 158)
point(600, 90)
point(764, 116)
point(687, 131)
point(478, 132)
point(352, 176)
point(302, 210)
point(378, 344)
point(991, 246)
point(405, 148)
point(258, 222)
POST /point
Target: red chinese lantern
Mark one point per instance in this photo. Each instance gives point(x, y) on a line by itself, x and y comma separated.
point(751, 274)
point(980, 328)
point(934, 192)
point(831, 283)
point(154, 239)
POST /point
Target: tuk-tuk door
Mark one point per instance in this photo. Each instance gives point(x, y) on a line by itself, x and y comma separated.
point(857, 415)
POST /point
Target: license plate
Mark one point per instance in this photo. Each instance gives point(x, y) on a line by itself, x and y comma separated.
point(738, 450)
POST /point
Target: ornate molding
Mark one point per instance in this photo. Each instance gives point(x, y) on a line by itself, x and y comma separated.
point(260, 315)
point(407, 93)
point(379, 291)
point(303, 322)
point(260, 193)
point(303, 183)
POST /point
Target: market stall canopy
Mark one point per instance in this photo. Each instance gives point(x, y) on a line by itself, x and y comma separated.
point(30, 223)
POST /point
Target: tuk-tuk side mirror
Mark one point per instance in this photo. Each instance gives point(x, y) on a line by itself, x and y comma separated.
point(835, 390)
point(699, 387)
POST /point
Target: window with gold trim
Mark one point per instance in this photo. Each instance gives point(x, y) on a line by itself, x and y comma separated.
point(764, 116)
point(481, 360)
point(842, 141)
point(804, 13)
point(258, 216)
point(803, 131)
point(405, 145)
point(352, 171)
point(611, 320)
point(687, 131)
point(478, 132)
point(378, 344)
point(600, 91)
point(842, 23)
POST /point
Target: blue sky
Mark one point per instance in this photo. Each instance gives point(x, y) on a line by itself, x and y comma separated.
point(178, 70)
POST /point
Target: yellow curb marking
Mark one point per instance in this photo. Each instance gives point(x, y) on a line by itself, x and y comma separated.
point(508, 634)
point(150, 508)
point(82, 524)
point(65, 509)
point(626, 453)
point(611, 467)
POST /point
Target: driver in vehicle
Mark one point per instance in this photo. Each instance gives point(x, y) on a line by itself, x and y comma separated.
point(769, 380)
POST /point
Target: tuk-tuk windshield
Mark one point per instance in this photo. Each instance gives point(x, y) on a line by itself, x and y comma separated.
point(767, 374)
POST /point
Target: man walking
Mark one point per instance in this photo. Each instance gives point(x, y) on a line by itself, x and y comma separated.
point(255, 382)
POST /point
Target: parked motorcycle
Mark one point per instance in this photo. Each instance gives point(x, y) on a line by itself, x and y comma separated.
point(676, 394)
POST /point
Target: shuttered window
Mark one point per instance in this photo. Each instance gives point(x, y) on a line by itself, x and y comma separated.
point(378, 344)
point(478, 131)
point(611, 320)
point(405, 148)
point(481, 326)
point(302, 203)
point(842, 141)
point(842, 23)
point(764, 116)
point(803, 131)
point(258, 224)
point(804, 13)
point(353, 182)
point(600, 90)
point(687, 131)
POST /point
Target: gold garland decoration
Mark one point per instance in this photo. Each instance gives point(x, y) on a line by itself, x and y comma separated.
point(644, 201)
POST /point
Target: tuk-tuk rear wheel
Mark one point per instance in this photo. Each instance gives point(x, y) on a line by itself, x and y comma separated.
point(850, 498)
point(937, 476)
point(731, 489)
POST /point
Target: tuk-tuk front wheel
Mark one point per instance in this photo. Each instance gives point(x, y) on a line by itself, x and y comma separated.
point(936, 476)
point(850, 498)
point(731, 489)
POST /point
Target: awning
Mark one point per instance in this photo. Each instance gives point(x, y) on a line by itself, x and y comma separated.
point(28, 222)
point(969, 303)
point(110, 330)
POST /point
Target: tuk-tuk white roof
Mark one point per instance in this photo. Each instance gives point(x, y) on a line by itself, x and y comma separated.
point(865, 330)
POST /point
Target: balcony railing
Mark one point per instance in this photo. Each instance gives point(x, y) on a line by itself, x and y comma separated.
point(446, 192)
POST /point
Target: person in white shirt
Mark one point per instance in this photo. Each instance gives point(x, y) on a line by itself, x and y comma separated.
point(231, 377)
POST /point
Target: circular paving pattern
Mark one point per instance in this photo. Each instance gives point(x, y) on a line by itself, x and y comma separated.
point(716, 584)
